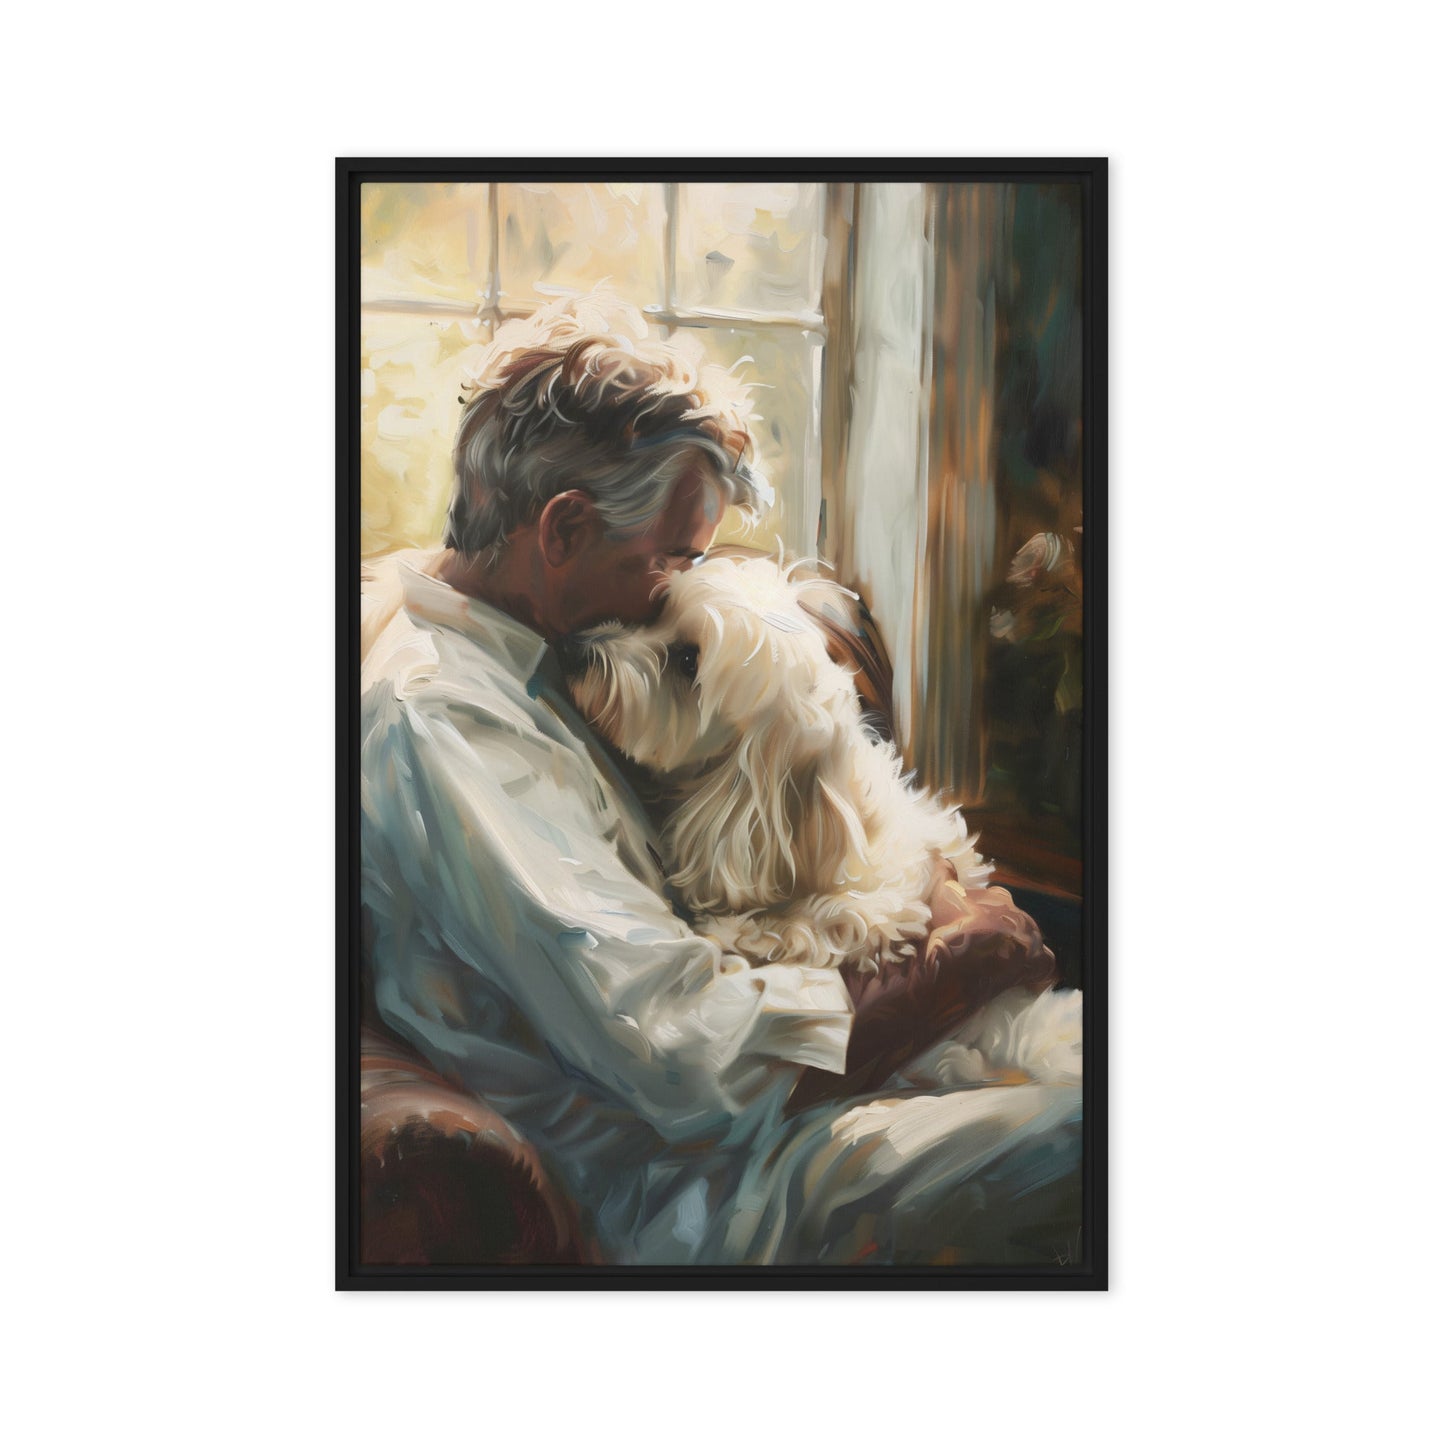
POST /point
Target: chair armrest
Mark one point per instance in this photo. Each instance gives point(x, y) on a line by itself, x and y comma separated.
point(447, 1180)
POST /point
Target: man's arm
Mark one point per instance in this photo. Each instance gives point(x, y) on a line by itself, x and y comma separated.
point(980, 945)
point(490, 847)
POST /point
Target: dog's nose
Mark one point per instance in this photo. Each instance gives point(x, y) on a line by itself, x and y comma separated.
point(572, 654)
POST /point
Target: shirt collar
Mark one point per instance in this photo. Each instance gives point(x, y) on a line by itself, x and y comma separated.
point(513, 643)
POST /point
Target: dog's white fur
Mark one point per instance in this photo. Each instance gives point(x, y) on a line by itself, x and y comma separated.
point(797, 838)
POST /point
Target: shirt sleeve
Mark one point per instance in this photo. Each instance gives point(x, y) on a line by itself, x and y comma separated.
point(503, 843)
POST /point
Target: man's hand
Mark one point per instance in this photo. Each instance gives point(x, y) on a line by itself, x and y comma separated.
point(944, 895)
point(980, 945)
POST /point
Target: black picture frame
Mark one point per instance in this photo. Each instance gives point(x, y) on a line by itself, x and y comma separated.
point(1090, 1271)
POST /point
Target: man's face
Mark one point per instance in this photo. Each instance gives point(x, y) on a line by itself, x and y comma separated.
point(622, 577)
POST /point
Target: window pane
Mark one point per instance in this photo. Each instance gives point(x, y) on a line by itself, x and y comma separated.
point(569, 237)
point(750, 247)
point(424, 242)
point(410, 389)
point(785, 367)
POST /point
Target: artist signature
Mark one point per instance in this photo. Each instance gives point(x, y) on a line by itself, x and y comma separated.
point(1074, 1251)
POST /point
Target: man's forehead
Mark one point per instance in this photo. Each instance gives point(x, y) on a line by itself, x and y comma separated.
point(697, 494)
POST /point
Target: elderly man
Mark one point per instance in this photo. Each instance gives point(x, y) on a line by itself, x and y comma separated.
point(522, 938)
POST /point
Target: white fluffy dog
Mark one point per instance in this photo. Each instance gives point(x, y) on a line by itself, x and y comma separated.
point(796, 838)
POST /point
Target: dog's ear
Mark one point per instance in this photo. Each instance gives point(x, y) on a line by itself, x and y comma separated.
point(775, 820)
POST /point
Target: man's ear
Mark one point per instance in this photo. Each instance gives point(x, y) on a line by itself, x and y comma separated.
point(568, 524)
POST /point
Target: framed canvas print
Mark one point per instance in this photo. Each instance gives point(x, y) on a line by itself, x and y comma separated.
point(721, 714)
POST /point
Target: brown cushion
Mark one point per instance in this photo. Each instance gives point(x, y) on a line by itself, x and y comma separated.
point(853, 638)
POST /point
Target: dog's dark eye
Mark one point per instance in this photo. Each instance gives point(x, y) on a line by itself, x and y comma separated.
point(683, 656)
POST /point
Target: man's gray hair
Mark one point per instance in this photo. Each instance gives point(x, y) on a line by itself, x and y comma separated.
point(577, 397)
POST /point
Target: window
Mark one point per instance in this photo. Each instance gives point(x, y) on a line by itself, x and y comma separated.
point(741, 266)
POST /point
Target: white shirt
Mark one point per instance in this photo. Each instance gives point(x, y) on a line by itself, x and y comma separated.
point(522, 936)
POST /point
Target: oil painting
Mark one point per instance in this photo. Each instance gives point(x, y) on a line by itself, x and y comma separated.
point(720, 693)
